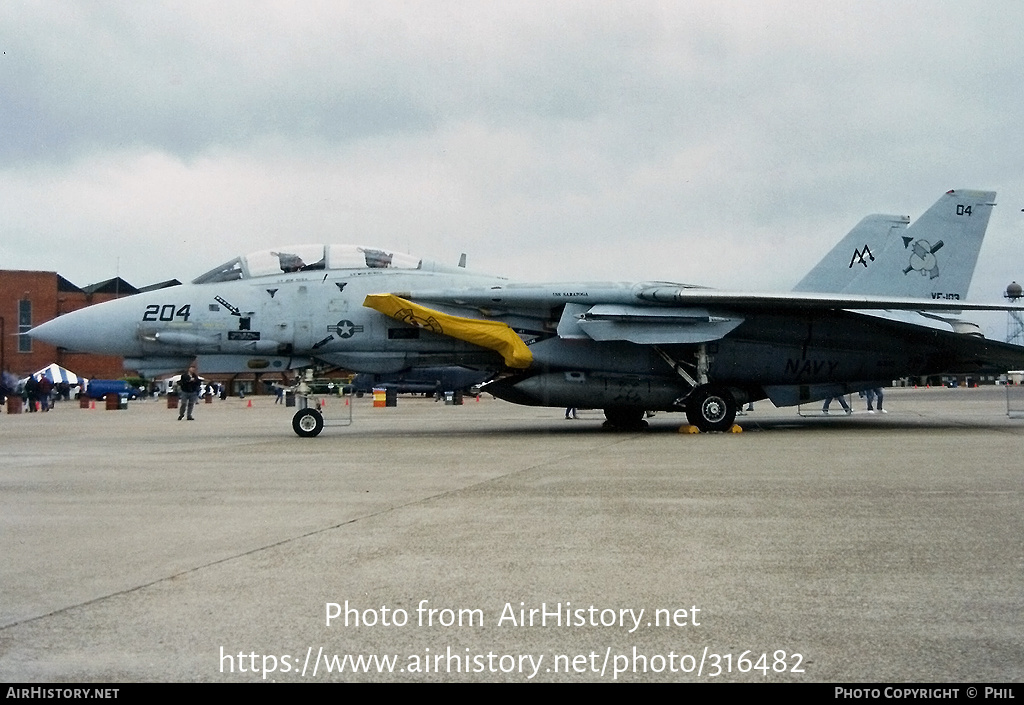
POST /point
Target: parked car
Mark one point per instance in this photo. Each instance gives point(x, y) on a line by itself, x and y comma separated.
point(99, 388)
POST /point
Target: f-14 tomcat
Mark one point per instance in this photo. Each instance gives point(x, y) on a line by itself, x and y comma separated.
point(883, 304)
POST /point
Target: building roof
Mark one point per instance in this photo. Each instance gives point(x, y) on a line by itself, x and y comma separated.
point(65, 286)
point(116, 286)
point(160, 285)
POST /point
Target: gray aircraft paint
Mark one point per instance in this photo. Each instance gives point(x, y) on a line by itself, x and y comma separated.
point(624, 347)
point(854, 254)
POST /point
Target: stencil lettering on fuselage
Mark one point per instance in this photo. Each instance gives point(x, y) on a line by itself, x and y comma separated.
point(810, 368)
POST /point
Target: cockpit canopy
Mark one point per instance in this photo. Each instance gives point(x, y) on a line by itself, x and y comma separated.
point(305, 258)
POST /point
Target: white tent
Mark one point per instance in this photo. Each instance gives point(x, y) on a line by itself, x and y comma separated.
point(55, 373)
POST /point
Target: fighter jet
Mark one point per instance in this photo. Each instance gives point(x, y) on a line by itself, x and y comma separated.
point(877, 308)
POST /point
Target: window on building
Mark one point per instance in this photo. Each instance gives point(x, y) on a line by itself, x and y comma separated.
point(24, 326)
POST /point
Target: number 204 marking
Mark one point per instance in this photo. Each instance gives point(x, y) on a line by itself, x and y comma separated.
point(167, 312)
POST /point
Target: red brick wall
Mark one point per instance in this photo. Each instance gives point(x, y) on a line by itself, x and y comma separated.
point(41, 288)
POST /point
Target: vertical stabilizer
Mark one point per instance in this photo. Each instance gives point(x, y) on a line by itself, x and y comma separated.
point(854, 254)
point(935, 257)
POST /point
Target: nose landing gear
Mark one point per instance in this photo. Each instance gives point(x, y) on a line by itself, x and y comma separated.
point(308, 422)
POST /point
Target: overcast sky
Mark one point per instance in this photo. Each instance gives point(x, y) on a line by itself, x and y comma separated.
point(728, 144)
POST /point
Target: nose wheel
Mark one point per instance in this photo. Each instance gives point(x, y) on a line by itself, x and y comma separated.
point(711, 408)
point(308, 422)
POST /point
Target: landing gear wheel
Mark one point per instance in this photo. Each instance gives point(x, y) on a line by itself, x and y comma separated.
point(308, 422)
point(711, 408)
point(625, 418)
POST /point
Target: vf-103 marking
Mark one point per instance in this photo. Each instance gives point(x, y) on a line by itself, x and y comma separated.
point(622, 347)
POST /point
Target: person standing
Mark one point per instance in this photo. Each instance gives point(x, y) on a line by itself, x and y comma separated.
point(873, 396)
point(31, 392)
point(189, 386)
point(45, 387)
point(841, 398)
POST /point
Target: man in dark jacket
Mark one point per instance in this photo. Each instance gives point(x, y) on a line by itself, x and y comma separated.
point(31, 392)
point(189, 386)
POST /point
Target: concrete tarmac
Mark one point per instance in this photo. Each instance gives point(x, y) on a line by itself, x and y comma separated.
point(863, 548)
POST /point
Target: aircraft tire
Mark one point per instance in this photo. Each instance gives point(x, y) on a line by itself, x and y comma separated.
point(711, 408)
point(308, 423)
point(625, 418)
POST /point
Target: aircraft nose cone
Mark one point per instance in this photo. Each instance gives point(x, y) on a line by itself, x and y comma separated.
point(91, 329)
point(56, 332)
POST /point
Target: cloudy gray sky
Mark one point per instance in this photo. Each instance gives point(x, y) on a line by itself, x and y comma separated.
point(722, 143)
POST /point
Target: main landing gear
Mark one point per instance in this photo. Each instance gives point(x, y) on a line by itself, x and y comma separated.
point(711, 408)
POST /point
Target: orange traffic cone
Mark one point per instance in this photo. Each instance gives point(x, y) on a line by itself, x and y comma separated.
point(249, 405)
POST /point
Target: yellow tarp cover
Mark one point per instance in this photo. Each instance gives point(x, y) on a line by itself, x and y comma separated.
point(493, 335)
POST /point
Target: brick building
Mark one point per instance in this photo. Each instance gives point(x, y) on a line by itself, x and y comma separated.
point(28, 299)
